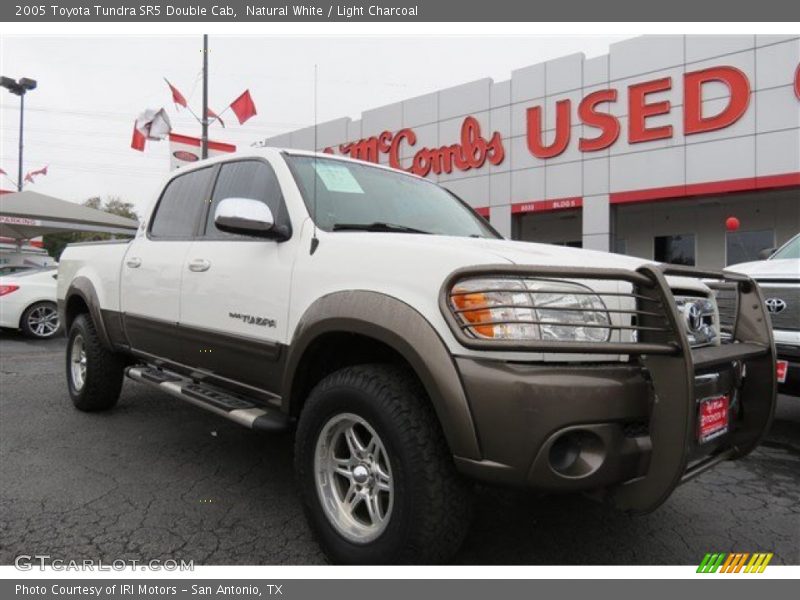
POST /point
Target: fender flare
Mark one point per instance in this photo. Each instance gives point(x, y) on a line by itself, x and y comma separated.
point(405, 330)
point(83, 288)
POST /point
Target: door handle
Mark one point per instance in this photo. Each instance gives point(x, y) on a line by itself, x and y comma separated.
point(198, 265)
point(134, 262)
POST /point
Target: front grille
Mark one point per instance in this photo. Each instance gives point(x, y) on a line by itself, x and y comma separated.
point(789, 316)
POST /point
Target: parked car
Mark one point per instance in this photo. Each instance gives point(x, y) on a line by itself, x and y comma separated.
point(28, 302)
point(779, 280)
point(9, 269)
point(413, 349)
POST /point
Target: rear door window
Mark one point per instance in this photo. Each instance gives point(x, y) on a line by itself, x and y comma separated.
point(181, 205)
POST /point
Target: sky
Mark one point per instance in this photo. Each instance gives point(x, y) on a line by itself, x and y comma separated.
point(79, 120)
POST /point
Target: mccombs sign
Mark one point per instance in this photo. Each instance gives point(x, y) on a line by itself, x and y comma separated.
point(472, 150)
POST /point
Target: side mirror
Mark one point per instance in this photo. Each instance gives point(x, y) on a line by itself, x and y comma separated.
point(246, 216)
point(766, 253)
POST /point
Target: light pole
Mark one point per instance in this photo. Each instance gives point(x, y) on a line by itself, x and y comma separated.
point(19, 88)
point(204, 122)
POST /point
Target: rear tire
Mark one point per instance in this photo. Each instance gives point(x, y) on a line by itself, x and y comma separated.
point(94, 373)
point(399, 467)
point(40, 321)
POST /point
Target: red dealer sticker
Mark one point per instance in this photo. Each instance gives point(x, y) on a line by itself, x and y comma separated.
point(712, 419)
point(781, 368)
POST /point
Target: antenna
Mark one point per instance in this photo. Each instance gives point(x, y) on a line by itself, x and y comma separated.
point(204, 121)
point(314, 238)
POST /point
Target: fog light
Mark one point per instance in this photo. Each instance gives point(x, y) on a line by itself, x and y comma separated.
point(577, 453)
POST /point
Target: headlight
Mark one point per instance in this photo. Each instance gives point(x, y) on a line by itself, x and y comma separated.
point(699, 319)
point(530, 309)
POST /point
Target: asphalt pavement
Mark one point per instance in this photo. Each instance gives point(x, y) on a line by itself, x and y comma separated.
point(159, 479)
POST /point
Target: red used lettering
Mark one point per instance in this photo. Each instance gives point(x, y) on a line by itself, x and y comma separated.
point(797, 82)
point(607, 123)
point(739, 87)
point(639, 110)
point(563, 129)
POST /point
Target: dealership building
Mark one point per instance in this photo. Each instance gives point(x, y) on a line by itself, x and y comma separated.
point(646, 151)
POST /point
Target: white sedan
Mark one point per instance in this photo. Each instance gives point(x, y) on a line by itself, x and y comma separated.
point(28, 302)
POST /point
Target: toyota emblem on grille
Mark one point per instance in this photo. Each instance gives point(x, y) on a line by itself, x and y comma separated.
point(775, 305)
point(695, 316)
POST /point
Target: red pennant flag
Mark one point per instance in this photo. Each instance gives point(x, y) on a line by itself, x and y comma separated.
point(177, 97)
point(31, 174)
point(244, 107)
point(210, 114)
point(138, 140)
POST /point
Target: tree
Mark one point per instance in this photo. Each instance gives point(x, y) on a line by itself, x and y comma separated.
point(55, 243)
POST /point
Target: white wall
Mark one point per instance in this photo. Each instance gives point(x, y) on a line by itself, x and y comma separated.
point(763, 143)
point(639, 224)
point(551, 228)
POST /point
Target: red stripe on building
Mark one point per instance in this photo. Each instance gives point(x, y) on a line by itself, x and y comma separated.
point(547, 205)
point(674, 192)
point(483, 211)
point(746, 184)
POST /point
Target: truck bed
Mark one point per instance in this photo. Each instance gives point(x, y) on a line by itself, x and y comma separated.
point(100, 262)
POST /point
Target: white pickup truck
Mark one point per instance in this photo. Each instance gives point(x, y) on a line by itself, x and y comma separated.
point(779, 279)
point(412, 349)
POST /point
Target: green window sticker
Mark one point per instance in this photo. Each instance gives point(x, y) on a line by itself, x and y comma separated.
point(337, 178)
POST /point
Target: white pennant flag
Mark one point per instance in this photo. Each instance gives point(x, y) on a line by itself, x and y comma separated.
point(154, 124)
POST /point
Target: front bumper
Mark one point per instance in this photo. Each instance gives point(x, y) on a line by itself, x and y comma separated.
point(626, 431)
point(529, 417)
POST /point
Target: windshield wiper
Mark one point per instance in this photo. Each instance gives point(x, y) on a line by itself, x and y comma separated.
point(376, 226)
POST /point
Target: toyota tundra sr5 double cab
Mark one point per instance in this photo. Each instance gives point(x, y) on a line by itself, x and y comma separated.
point(412, 350)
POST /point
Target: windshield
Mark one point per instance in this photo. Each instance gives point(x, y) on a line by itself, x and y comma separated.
point(790, 249)
point(351, 196)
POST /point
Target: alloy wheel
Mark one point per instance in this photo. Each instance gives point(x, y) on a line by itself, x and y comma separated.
point(354, 478)
point(77, 362)
point(43, 321)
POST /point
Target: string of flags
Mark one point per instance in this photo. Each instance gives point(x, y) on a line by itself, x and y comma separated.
point(30, 175)
point(155, 125)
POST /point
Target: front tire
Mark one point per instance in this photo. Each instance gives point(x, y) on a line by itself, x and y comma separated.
point(40, 320)
point(94, 373)
point(376, 476)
